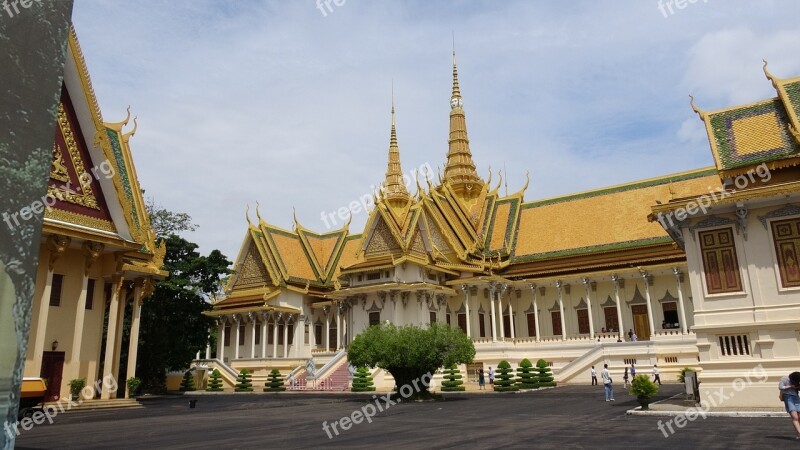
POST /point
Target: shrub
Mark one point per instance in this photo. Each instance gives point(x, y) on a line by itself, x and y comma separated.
point(133, 386)
point(526, 375)
point(215, 382)
point(76, 386)
point(187, 384)
point(504, 380)
point(274, 382)
point(244, 382)
point(362, 380)
point(643, 388)
point(452, 380)
point(545, 375)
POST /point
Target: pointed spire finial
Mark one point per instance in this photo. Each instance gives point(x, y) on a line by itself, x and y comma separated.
point(455, 99)
point(394, 187)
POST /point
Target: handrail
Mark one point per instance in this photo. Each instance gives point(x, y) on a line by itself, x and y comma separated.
point(335, 360)
point(220, 365)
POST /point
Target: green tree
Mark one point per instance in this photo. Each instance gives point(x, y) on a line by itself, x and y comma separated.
point(187, 384)
point(410, 352)
point(243, 382)
point(452, 380)
point(362, 380)
point(545, 375)
point(215, 382)
point(274, 382)
point(173, 328)
point(504, 380)
point(526, 376)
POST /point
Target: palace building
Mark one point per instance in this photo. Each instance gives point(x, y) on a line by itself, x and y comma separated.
point(578, 280)
point(98, 259)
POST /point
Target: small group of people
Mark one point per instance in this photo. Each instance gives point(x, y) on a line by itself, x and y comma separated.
point(482, 378)
point(608, 384)
point(788, 394)
point(632, 336)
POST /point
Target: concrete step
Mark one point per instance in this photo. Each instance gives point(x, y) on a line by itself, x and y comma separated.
point(94, 404)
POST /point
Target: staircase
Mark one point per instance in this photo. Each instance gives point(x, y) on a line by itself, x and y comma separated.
point(96, 404)
point(339, 380)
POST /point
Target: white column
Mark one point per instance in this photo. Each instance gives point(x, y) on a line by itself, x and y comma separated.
point(620, 325)
point(133, 342)
point(236, 323)
point(286, 338)
point(535, 311)
point(327, 328)
point(111, 333)
point(465, 289)
point(587, 285)
point(275, 321)
point(221, 352)
point(511, 312)
point(684, 325)
point(645, 277)
point(492, 288)
point(77, 333)
point(253, 332)
point(501, 324)
point(561, 308)
point(41, 323)
point(338, 327)
point(264, 328)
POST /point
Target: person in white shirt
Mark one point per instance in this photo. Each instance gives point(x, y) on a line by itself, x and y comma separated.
point(593, 373)
point(608, 387)
point(656, 376)
point(791, 400)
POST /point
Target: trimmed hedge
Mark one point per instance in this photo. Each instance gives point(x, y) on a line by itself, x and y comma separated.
point(215, 382)
point(504, 379)
point(545, 375)
point(526, 375)
point(362, 380)
point(244, 382)
point(274, 382)
point(187, 384)
point(452, 380)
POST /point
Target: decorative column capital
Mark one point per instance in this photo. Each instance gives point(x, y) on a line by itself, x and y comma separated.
point(559, 285)
point(91, 251)
point(57, 245)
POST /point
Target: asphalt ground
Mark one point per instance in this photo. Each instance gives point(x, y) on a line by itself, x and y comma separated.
point(564, 417)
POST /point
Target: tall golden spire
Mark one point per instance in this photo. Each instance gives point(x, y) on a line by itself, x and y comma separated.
point(394, 188)
point(460, 168)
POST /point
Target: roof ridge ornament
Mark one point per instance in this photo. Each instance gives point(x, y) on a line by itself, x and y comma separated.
point(774, 80)
point(699, 111)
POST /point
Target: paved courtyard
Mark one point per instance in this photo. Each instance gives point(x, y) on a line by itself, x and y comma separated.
point(565, 417)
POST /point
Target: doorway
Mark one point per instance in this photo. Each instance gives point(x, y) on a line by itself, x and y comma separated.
point(640, 322)
point(52, 370)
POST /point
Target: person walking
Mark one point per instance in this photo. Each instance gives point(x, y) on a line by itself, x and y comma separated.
point(481, 380)
point(634, 338)
point(491, 375)
point(625, 379)
point(791, 400)
point(633, 372)
point(608, 385)
point(630, 335)
point(656, 376)
point(593, 373)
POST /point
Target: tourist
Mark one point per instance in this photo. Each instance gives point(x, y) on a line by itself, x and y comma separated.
point(593, 373)
point(656, 376)
point(625, 379)
point(633, 372)
point(634, 338)
point(608, 387)
point(630, 335)
point(491, 375)
point(791, 400)
point(481, 380)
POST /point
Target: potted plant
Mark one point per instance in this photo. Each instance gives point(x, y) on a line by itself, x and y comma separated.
point(133, 386)
point(644, 390)
point(75, 387)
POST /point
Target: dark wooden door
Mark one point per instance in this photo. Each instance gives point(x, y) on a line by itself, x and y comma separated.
point(52, 369)
point(583, 321)
point(556, 318)
point(462, 322)
point(610, 314)
point(332, 339)
point(531, 324)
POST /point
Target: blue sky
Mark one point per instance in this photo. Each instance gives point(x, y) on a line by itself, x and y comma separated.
point(245, 101)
